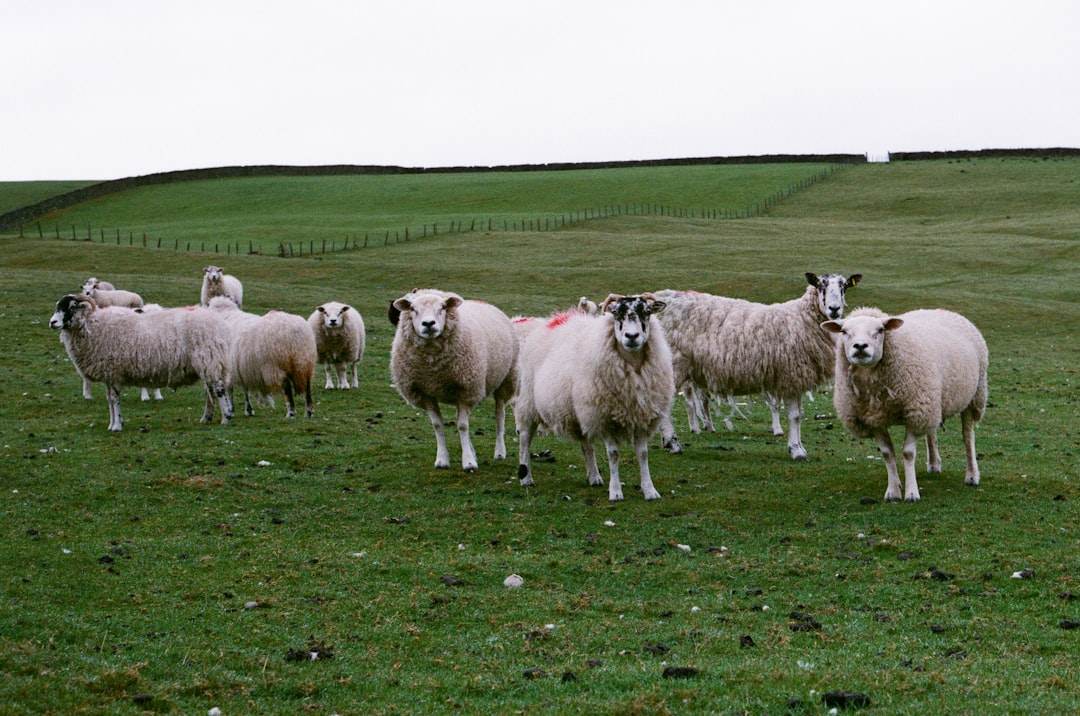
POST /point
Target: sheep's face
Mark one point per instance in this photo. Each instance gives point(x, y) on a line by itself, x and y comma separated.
point(831, 289)
point(333, 315)
point(213, 273)
point(863, 337)
point(69, 311)
point(428, 312)
point(89, 287)
point(631, 315)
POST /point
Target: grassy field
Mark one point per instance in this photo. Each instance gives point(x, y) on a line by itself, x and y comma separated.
point(176, 567)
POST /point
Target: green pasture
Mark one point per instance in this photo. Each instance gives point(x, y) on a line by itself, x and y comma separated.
point(176, 567)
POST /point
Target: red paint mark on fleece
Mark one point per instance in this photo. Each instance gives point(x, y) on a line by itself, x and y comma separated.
point(558, 319)
point(522, 319)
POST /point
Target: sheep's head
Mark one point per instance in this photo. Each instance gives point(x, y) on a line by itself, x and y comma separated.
point(70, 310)
point(213, 273)
point(89, 287)
point(428, 311)
point(862, 337)
point(831, 288)
point(631, 315)
point(333, 314)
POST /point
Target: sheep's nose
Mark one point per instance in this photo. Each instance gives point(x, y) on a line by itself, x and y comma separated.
point(859, 347)
point(834, 311)
point(428, 325)
point(631, 338)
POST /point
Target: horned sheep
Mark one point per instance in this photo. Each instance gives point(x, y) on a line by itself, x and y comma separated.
point(915, 369)
point(272, 353)
point(450, 350)
point(157, 349)
point(730, 346)
point(218, 283)
point(589, 378)
point(340, 338)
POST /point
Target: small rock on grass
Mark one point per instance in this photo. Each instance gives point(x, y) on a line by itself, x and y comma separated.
point(680, 672)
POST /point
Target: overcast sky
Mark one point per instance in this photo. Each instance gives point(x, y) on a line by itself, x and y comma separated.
point(106, 89)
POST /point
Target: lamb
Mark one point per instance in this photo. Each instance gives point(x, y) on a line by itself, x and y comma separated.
point(915, 369)
point(340, 337)
point(112, 297)
point(218, 283)
point(450, 350)
point(94, 282)
point(273, 353)
point(158, 349)
point(728, 346)
point(589, 378)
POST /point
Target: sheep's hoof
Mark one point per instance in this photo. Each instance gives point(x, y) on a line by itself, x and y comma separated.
point(798, 453)
point(654, 495)
point(971, 481)
point(892, 497)
point(469, 468)
point(912, 498)
point(673, 446)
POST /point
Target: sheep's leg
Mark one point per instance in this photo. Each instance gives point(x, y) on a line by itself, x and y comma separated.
point(112, 395)
point(342, 376)
point(706, 411)
point(355, 380)
point(500, 429)
point(524, 456)
point(249, 408)
point(290, 401)
point(309, 404)
point(86, 389)
point(733, 411)
point(667, 434)
point(329, 377)
point(911, 485)
point(933, 457)
point(794, 418)
point(468, 454)
point(442, 455)
point(592, 471)
point(774, 411)
point(157, 394)
point(614, 486)
point(221, 393)
point(885, 445)
point(972, 476)
point(641, 450)
point(692, 409)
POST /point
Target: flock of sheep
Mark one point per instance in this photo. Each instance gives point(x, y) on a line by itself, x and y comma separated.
point(591, 374)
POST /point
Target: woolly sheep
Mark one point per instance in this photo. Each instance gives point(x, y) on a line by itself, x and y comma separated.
point(166, 348)
point(450, 350)
point(589, 378)
point(218, 283)
point(86, 383)
point(94, 282)
point(105, 298)
point(340, 337)
point(915, 369)
point(729, 346)
point(273, 353)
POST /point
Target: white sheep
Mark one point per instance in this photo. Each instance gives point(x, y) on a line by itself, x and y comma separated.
point(589, 378)
point(166, 348)
point(729, 346)
point(450, 350)
point(105, 298)
point(86, 382)
point(915, 369)
point(272, 353)
point(340, 338)
point(94, 282)
point(218, 283)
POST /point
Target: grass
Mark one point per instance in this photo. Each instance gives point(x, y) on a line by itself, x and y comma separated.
point(165, 569)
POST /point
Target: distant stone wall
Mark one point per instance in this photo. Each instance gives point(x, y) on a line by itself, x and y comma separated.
point(1051, 153)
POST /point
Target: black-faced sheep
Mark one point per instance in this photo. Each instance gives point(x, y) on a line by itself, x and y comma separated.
point(86, 383)
point(728, 346)
point(450, 350)
point(340, 338)
point(589, 378)
point(915, 369)
point(218, 283)
point(159, 349)
point(273, 353)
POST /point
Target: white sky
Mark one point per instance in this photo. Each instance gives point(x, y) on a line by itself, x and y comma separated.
point(103, 89)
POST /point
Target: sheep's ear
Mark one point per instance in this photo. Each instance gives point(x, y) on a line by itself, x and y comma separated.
point(853, 281)
point(402, 304)
point(832, 326)
point(893, 323)
point(656, 306)
point(452, 303)
point(612, 298)
point(344, 309)
point(811, 278)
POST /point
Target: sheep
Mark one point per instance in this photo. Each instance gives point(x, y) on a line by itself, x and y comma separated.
point(587, 378)
point(729, 346)
point(105, 298)
point(166, 348)
point(94, 282)
point(272, 353)
point(86, 382)
point(450, 350)
point(340, 337)
point(218, 283)
point(915, 369)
